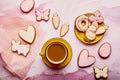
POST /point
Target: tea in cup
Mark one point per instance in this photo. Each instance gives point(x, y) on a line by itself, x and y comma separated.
point(56, 53)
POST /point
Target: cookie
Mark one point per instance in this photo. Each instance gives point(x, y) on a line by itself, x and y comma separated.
point(27, 5)
point(92, 28)
point(100, 30)
point(101, 73)
point(96, 18)
point(64, 29)
point(106, 27)
point(55, 20)
point(28, 35)
point(42, 14)
point(89, 35)
point(84, 59)
point(82, 23)
point(21, 49)
point(104, 50)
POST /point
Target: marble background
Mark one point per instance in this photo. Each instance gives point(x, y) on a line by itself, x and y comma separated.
point(68, 10)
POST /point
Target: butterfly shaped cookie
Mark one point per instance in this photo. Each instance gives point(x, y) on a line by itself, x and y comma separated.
point(42, 15)
point(96, 18)
point(101, 73)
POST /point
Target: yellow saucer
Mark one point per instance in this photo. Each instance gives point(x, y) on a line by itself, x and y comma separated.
point(68, 58)
point(81, 35)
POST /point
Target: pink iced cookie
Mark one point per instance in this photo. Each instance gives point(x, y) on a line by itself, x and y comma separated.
point(17, 64)
point(105, 50)
point(84, 59)
point(96, 18)
point(42, 15)
point(64, 29)
point(100, 30)
point(27, 5)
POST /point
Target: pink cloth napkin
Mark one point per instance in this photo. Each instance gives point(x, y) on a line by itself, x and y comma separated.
point(9, 28)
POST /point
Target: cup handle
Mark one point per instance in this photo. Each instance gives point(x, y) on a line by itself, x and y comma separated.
point(42, 54)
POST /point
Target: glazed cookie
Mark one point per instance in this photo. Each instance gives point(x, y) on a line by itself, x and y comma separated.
point(82, 23)
point(64, 29)
point(55, 20)
point(101, 30)
point(89, 35)
point(96, 18)
point(104, 50)
point(27, 5)
point(92, 28)
point(21, 49)
point(101, 73)
point(42, 15)
point(28, 35)
point(84, 59)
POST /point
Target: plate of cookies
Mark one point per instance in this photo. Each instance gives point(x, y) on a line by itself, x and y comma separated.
point(89, 28)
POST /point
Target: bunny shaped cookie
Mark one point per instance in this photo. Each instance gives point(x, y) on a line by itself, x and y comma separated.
point(21, 49)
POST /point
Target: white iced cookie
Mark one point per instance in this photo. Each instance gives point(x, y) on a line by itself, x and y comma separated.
point(101, 73)
point(92, 28)
point(90, 35)
point(21, 49)
point(28, 35)
point(82, 23)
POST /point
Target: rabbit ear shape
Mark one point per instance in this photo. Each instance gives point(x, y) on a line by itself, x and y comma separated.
point(13, 41)
point(18, 42)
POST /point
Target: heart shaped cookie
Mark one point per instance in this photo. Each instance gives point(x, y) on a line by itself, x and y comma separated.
point(27, 5)
point(84, 59)
point(28, 35)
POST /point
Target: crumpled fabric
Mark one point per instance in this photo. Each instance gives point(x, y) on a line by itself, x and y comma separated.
point(9, 28)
